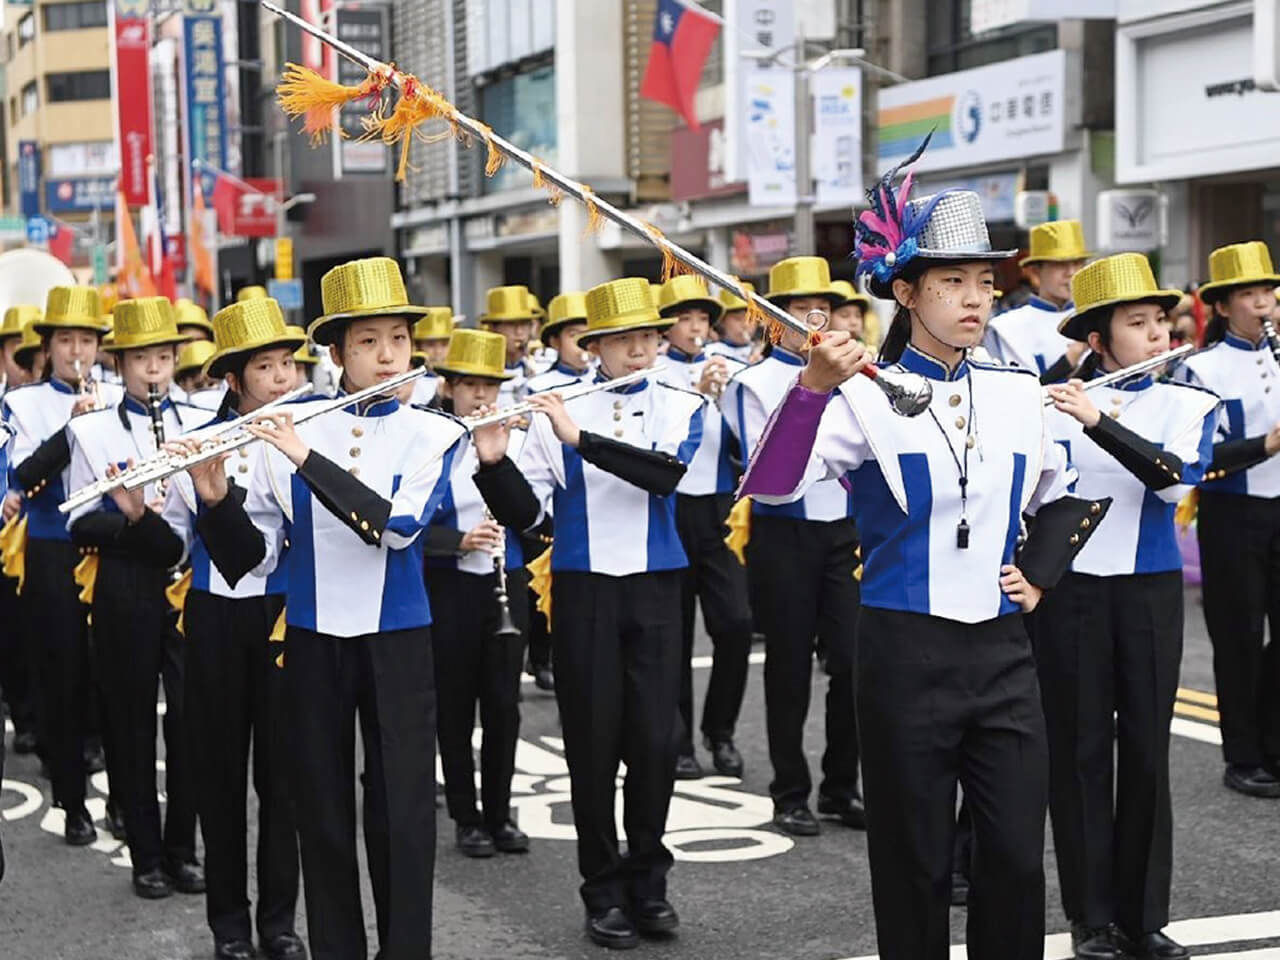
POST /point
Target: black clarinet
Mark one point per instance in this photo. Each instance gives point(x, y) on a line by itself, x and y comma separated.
point(1273, 339)
point(154, 402)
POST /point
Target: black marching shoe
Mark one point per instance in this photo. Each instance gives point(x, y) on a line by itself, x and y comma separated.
point(688, 767)
point(543, 678)
point(79, 830)
point(25, 742)
point(152, 884)
point(186, 877)
point(1251, 781)
point(284, 946)
point(508, 838)
point(234, 950)
point(1152, 946)
point(474, 840)
point(115, 823)
point(612, 929)
point(725, 757)
point(1095, 943)
point(798, 821)
point(848, 810)
point(655, 917)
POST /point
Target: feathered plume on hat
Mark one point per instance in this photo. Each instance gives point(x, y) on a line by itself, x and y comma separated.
point(887, 235)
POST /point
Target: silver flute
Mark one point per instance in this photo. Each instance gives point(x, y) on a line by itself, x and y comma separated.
point(1134, 370)
point(572, 392)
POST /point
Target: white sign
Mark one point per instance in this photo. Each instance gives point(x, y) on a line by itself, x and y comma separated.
point(1032, 208)
point(987, 15)
point(1005, 111)
point(1266, 44)
point(1174, 123)
point(770, 137)
point(758, 27)
point(83, 159)
point(1132, 220)
point(837, 135)
point(817, 18)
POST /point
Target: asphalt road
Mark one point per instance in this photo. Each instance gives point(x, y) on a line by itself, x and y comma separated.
point(743, 890)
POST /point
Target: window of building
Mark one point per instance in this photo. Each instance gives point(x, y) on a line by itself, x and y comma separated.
point(81, 85)
point(26, 29)
point(952, 46)
point(30, 98)
point(75, 16)
point(521, 107)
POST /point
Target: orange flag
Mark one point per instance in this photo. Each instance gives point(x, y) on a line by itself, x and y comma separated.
point(201, 258)
point(133, 276)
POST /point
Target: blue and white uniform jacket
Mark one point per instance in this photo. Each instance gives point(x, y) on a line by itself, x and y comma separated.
point(557, 376)
point(462, 508)
point(1027, 336)
point(716, 463)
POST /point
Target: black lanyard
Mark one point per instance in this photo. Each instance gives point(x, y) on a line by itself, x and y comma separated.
point(962, 468)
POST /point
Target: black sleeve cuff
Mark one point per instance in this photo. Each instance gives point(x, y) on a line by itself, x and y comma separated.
point(1059, 371)
point(441, 541)
point(1155, 467)
point(48, 460)
point(101, 528)
point(1232, 456)
point(1058, 532)
point(151, 541)
point(346, 497)
point(507, 494)
point(650, 470)
point(235, 545)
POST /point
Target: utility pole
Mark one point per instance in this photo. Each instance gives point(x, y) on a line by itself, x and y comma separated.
point(804, 242)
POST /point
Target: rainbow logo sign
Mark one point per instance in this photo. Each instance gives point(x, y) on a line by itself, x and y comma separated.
point(902, 128)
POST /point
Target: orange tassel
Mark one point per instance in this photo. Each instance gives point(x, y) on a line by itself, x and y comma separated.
point(671, 267)
point(554, 193)
point(595, 221)
point(494, 158)
point(775, 332)
point(756, 317)
point(418, 104)
point(304, 93)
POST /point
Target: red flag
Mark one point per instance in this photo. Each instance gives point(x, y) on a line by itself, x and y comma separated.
point(682, 38)
point(61, 240)
point(201, 258)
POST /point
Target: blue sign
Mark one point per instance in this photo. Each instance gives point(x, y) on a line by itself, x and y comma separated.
point(206, 96)
point(287, 293)
point(80, 195)
point(29, 177)
point(37, 231)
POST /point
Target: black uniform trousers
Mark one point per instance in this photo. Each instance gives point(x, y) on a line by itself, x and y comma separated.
point(1240, 563)
point(53, 611)
point(388, 679)
point(616, 643)
point(941, 703)
point(803, 589)
point(136, 645)
point(474, 665)
point(1108, 651)
point(715, 579)
point(17, 667)
point(235, 693)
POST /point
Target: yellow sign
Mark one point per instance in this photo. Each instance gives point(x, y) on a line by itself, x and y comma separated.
point(284, 258)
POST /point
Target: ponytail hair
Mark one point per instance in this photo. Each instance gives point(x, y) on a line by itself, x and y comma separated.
point(897, 337)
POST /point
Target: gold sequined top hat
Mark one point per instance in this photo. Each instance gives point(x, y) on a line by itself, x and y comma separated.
point(361, 288)
point(655, 291)
point(1056, 241)
point(303, 354)
point(476, 353)
point(143, 322)
point(246, 326)
point(436, 324)
point(730, 301)
point(536, 306)
point(621, 306)
point(253, 292)
point(1107, 283)
point(564, 308)
point(687, 292)
point(850, 294)
point(187, 313)
point(510, 304)
point(193, 356)
point(801, 277)
point(16, 319)
point(31, 342)
point(1238, 265)
point(71, 308)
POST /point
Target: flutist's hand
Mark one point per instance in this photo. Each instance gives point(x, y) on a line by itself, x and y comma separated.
point(1072, 400)
point(833, 361)
point(486, 536)
point(552, 404)
point(131, 502)
point(491, 441)
point(209, 477)
point(1271, 443)
point(1019, 589)
point(715, 374)
point(12, 504)
point(85, 403)
point(278, 430)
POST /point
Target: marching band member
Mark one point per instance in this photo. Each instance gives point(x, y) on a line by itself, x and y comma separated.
point(30, 354)
point(234, 690)
point(947, 687)
point(609, 469)
point(193, 321)
point(850, 316)
point(477, 661)
point(1239, 512)
point(304, 361)
point(1027, 336)
point(714, 578)
point(800, 563)
point(733, 327)
point(1109, 636)
point(351, 492)
point(134, 643)
point(510, 311)
point(566, 321)
point(71, 326)
point(10, 340)
point(431, 338)
point(191, 384)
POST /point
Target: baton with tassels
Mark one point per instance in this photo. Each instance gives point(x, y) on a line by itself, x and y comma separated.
point(304, 93)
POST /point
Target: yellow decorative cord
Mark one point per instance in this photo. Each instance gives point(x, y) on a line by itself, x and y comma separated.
point(540, 582)
point(277, 636)
point(13, 549)
point(86, 576)
point(739, 524)
point(176, 594)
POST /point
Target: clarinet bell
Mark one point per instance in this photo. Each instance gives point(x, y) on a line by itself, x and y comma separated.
point(507, 629)
point(909, 394)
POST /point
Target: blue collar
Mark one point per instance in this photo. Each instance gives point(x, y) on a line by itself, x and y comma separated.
point(517, 367)
point(681, 357)
point(568, 371)
point(729, 343)
point(1040, 303)
point(1132, 386)
point(627, 389)
point(786, 356)
point(60, 387)
point(136, 406)
point(1240, 343)
point(917, 361)
point(373, 407)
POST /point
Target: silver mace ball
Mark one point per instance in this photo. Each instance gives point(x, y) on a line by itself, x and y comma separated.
point(909, 394)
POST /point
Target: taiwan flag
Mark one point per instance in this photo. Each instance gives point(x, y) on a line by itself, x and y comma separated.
point(682, 38)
